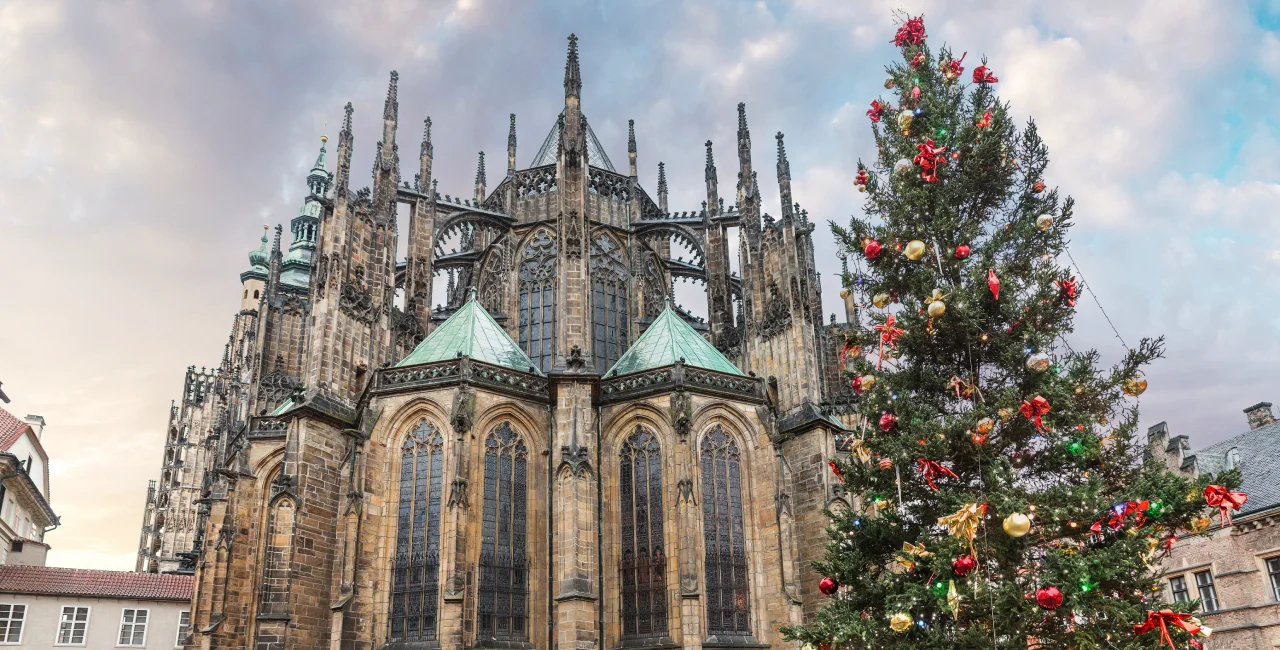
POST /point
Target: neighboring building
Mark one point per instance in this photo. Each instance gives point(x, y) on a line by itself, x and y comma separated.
point(25, 514)
point(1236, 572)
point(47, 607)
point(558, 457)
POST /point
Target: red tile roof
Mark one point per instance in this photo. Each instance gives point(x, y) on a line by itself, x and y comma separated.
point(56, 581)
point(11, 428)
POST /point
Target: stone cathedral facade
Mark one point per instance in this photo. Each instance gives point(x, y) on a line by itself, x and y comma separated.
point(557, 456)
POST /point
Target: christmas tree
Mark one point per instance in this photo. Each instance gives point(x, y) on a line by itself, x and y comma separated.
point(999, 496)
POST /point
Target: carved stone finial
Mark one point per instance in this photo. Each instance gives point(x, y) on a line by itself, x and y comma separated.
point(662, 178)
point(392, 105)
point(427, 149)
point(572, 75)
point(631, 136)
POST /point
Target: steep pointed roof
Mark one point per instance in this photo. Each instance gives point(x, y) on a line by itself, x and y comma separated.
point(669, 339)
point(473, 332)
point(596, 157)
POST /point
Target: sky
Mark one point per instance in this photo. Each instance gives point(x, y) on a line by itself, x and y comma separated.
point(146, 143)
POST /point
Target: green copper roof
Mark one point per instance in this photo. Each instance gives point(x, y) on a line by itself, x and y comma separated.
point(284, 406)
point(473, 332)
point(668, 340)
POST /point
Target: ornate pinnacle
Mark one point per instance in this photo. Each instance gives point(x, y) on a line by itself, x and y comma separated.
point(572, 75)
point(711, 163)
point(511, 133)
point(480, 170)
point(743, 134)
point(631, 136)
point(392, 106)
point(346, 120)
point(662, 178)
point(782, 157)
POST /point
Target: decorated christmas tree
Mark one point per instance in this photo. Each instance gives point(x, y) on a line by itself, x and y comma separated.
point(998, 495)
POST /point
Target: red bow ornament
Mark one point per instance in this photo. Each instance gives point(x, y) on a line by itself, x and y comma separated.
point(888, 334)
point(915, 62)
point(888, 421)
point(850, 349)
point(981, 75)
point(1218, 496)
point(835, 469)
point(1033, 409)
point(993, 283)
point(1067, 291)
point(952, 69)
point(1163, 619)
point(985, 121)
point(928, 159)
point(931, 469)
point(1121, 511)
point(961, 387)
point(910, 33)
point(876, 110)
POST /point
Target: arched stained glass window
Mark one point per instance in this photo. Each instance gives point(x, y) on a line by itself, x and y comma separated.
point(504, 576)
point(643, 566)
point(609, 309)
point(723, 541)
point(538, 299)
point(415, 577)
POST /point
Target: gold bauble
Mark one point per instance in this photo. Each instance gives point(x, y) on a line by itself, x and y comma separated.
point(1017, 524)
point(889, 83)
point(1135, 385)
point(937, 308)
point(1044, 221)
point(984, 426)
point(1199, 524)
point(1005, 413)
point(845, 293)
point(868, 381)
point(881, 300)
point(914, 250)
point(905, 118)
point(900, 622)
point(862, 188)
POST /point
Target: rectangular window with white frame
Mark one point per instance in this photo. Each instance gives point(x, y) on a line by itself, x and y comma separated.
point(12, 618)
point(1208, 593)
point(133, 628)
point(184, 626)
point(73, 625)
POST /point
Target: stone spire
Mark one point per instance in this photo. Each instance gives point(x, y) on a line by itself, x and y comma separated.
point(342, 184)
point(784, 179)
point(631, 146)
point(713, 182)
point(572, 75)
point(747, 195)
point(511, 146)
point(391, 106)
point(662, 187)
point(480, 179)
point(425, 154)
point(387, 166)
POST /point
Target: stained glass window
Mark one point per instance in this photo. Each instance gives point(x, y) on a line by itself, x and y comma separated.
point(644, 588)
point(723, 541)
point(609, 313)
point(538, 299)
point(415, 577)
point(504, 575)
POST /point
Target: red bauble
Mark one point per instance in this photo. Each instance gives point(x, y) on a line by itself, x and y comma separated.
point(1049, 597)
point(856, 384)
point(1037, 187)
point(963, 565)
point(872, 249)
point(962, 252)
point(828, 587)
point(888, 421)
point(886, 463)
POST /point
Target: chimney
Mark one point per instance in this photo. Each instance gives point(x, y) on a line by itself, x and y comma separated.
point(37, 423)
point(1259, 415)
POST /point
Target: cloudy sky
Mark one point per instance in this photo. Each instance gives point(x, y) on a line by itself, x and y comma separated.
point(145, 144)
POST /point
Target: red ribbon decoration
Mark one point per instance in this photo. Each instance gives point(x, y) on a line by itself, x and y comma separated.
point(929, 158)
point(985, 121)
point(919, 58)
point(888, 421)
point(993, 283)
point(954, 65)
point(910, 33)
point(850, 348)
point(835, 469)
point(1120, 512)
point(856, 385)
point(981, 75)
point(961, 387)
point(931, 469)
point(888, 334)
point(1218, 496)
point(1163, 619)
point(1033, 409)
point(1067, 290)
point(876, 109)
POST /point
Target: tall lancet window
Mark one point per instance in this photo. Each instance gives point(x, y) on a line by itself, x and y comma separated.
point(724, 546)
point(538, 299)
point(644, 586)
point(415, 576)
point(504, 576)
point(608, 301)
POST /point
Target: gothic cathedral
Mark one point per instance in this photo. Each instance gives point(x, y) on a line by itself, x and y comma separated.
point(558, 456)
